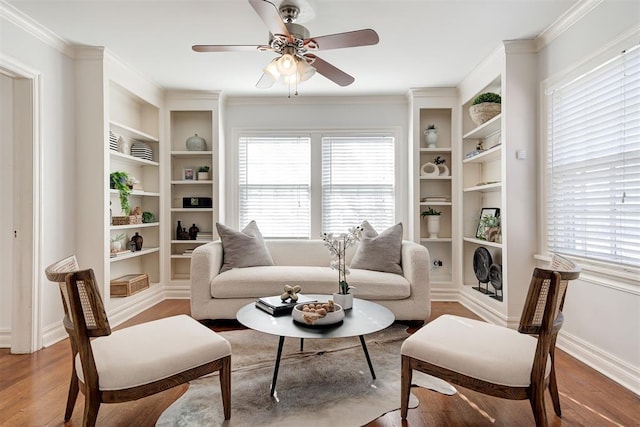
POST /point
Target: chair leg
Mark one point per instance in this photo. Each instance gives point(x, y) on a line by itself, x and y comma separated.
point(225, 386)
point(91, 407)
point(72, 397)
point(537, 405)
point(405, 385)
point(553, 384)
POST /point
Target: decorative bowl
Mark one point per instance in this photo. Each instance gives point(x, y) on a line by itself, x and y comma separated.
point(310, 319)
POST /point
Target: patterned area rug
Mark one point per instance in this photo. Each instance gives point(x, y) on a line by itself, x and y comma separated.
point(327, 384)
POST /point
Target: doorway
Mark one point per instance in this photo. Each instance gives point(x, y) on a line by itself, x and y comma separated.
point(19, 218)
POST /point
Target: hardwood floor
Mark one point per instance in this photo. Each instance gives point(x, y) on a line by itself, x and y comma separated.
point(33, 392)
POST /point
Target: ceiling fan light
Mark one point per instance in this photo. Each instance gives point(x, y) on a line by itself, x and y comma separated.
point(271, 70)
point(287, 65)
point(305, 71)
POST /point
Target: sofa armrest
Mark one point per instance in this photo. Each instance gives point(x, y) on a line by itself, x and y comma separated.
point(206, 261)
point(415, 268)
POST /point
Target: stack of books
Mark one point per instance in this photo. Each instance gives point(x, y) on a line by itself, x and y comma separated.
point(187, 252)
point(205, 235)
point(276, 307)
point(113, 141)
point(141, 151)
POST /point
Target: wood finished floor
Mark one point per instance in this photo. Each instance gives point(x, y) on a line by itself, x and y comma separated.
point(33, 391)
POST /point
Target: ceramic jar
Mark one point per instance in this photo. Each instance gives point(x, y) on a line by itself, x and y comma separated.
point(137, 241)
point(196, 143)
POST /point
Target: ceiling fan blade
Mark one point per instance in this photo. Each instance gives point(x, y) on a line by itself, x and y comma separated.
point(329, 71)
point(265, 82)
point(349, 39)
point(269, 14)
point(225, 48)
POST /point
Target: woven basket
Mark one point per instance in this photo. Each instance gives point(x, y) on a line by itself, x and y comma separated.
point(126, 220)
point(481, 113)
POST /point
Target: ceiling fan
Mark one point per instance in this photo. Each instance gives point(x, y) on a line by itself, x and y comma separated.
point(293, 44)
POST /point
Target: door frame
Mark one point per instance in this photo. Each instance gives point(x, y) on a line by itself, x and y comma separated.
point(26, 306)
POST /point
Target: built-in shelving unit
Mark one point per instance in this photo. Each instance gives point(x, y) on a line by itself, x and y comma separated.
point(493, 178)
point(187, 114)
point(436, 189)
point(117, 100)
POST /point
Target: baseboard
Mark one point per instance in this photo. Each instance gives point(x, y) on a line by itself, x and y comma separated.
point(53, 333)
point(134, 306)
point(5, 338)
point(485, 312)
point(618, 370)
point(177, 291)
point(444, 294)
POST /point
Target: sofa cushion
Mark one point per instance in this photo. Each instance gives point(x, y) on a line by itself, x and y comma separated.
point(379, 252)
point(264, 281)
point(244, 248)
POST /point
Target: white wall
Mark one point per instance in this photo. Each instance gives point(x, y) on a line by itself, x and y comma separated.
point(602, 314)
point(58, 147)
point(318, 113)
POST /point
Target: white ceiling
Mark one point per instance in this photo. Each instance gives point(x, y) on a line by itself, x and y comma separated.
point(423, 43)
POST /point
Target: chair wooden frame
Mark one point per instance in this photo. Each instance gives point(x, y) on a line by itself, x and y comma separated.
point(90, 320)
point(542, 317)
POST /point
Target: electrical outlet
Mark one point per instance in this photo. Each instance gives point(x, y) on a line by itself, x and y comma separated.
point(437, 263)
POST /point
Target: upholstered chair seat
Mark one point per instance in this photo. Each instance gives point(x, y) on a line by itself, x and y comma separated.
point(476, 349)
point(153, 351)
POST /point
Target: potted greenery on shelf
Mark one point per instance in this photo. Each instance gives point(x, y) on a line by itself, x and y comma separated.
point(203, 173)
point(121, 181)
point(485, 107)
point(433, 222)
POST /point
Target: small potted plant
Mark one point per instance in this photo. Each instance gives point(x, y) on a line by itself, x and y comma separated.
point(121, 181)
point(443, 170)
point(203, 173)
point(433, 222)
point(431, 135)
point(485, 107)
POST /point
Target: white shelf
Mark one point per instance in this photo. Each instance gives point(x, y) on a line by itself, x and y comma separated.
point(116, 155)
point(130, 226)
point(191, 153)
point(192, 181)
point(435, 178)
point(482, 242)
point(191, 209)
point(486, 188)
point(435, 203)
point(197, 242)
point(436, 240)
point(130, 132)
point(138, 193)
point(486, 156)
point(180, 256)
point(486, 129)
point(129, 255)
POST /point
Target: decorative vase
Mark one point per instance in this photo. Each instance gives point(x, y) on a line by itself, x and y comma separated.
point(178, 230)
point(137, 240)
point(431, 137)
point(193, 232)
point(203, 176)
point(343, 300)
point(483, 112)
point(429, 169)
point(433, 226)
point(124, 145)
point(196, 143)
point(443, 170)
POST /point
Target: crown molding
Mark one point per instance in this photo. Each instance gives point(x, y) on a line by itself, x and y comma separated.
point(316, 100)
point(564, 22)
point(34, 28)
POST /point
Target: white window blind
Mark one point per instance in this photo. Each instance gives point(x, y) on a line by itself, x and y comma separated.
point(357, 182)
point(593, 164)
point(274, 185)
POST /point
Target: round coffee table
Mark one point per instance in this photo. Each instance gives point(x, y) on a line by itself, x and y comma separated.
point(364, 318)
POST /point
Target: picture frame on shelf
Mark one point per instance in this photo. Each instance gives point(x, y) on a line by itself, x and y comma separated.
point(189, 174)
point(489, 218)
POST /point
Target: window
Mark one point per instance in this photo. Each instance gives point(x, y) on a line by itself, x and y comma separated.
point(298, 186)
point(274, 185)
point(357, 182)
point(593, 164)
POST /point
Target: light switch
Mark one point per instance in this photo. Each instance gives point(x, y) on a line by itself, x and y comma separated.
point(521, 154)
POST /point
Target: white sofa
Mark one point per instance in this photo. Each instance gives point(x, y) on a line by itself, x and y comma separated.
point(306, 263)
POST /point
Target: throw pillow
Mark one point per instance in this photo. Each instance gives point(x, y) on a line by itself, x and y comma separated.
point(379, 252)
point(244, 248)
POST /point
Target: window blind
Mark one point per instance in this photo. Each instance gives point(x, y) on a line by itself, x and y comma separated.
point(357, 182)
point(274, 185)
point(593, 164)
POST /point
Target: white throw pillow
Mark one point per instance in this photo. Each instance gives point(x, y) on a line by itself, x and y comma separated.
point(244, 248)
point(379, 252)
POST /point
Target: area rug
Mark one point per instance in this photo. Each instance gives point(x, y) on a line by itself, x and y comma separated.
point(327, 384)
